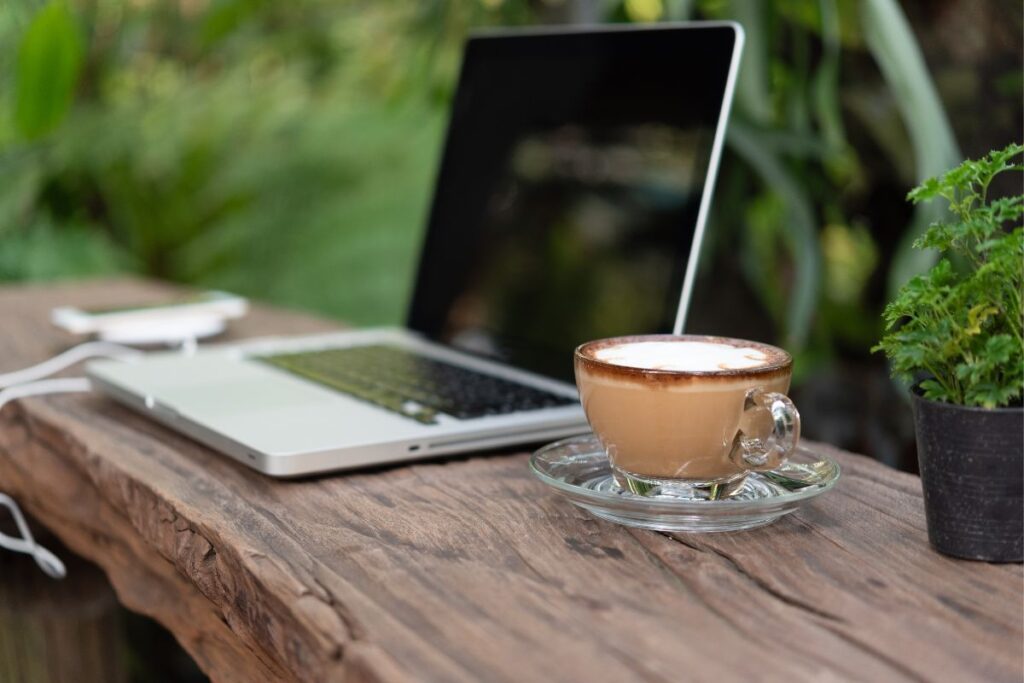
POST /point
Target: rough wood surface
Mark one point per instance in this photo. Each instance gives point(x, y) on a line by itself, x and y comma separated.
point(469, 570)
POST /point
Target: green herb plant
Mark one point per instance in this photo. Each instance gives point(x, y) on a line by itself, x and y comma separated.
point(959, 326)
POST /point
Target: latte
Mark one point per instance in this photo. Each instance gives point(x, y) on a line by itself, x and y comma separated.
point(670, 408)
point(683, 355)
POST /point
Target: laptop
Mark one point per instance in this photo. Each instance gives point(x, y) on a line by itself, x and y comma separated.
point(573, 188)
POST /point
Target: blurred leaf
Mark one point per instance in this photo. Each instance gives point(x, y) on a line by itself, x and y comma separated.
point(894, 47)
point(764, 250)
point(850, 257)
point(801, 233)
point(225, 17)
point(678, 10)
point(49, 59)
point(44, 252)
point(811, 15)
point(15, 15)
point(826, 80)
point(643, 11)
point(752, 84)
point(22, 177)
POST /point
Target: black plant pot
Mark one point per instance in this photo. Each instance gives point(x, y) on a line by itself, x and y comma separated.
point(972, 470)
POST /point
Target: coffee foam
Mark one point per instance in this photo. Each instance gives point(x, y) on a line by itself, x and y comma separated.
point(683, 356)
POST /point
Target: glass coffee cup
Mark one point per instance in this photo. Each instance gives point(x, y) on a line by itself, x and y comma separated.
point(687, 416)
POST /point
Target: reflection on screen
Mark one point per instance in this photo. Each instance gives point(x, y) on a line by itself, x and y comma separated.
point(582, 231)
point(566, 213)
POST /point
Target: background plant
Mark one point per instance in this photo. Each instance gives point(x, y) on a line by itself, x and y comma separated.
point(961, 327)
point(285, 150)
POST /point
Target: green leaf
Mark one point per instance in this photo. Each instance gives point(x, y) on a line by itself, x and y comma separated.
point(1006, 209)
point(753, 83)
point(1000, 348)
point(801, 228)
point(49, 59)
point(935, 391)
point(977, 316)
point(938, 236)
point(825, 92)
point(927, 190)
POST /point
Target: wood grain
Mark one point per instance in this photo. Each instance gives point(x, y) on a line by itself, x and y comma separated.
point(469, 570)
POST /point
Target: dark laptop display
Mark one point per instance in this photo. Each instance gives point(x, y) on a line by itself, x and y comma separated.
point(567, 198)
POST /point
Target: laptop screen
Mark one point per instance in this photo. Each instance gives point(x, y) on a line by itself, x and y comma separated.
point(569, 189)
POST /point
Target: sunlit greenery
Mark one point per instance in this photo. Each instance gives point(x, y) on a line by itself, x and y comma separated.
point(286, 150)
point(281, 150)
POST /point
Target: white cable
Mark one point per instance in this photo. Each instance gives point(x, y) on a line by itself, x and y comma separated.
point(61, 385)
point(30, 382)
point(76, 354)
point(47, 561)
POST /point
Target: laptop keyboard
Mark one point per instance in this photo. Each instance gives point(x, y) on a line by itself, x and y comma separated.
point(413, 385)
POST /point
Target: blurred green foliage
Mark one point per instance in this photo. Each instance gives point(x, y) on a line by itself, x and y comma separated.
point(285, 150)
point(49, 59)
point(280, 150)
point(790, 130)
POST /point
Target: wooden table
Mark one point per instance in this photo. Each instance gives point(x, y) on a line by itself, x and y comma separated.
point(470, 570)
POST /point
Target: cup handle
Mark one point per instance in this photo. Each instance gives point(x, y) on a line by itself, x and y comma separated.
point(757, 448)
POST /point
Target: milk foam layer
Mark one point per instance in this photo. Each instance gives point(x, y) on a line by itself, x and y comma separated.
point(684, 356)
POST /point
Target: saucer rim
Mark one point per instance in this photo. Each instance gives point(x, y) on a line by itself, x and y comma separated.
point(675, 504)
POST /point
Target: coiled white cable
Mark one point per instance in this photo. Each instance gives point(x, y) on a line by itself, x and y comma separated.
point(46, 560)
point(29, 382)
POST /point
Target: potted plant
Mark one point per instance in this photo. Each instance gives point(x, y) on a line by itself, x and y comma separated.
point(956, 333)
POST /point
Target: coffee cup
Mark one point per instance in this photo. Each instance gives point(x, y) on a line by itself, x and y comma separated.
point(687, 415)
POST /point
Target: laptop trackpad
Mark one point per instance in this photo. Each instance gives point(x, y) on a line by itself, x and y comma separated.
point(248, 392)
point(277, 413)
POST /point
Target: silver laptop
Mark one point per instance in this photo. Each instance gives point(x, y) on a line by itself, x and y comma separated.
point(571, 198)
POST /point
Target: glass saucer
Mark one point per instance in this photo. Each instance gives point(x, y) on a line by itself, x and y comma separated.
point(578, 469)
